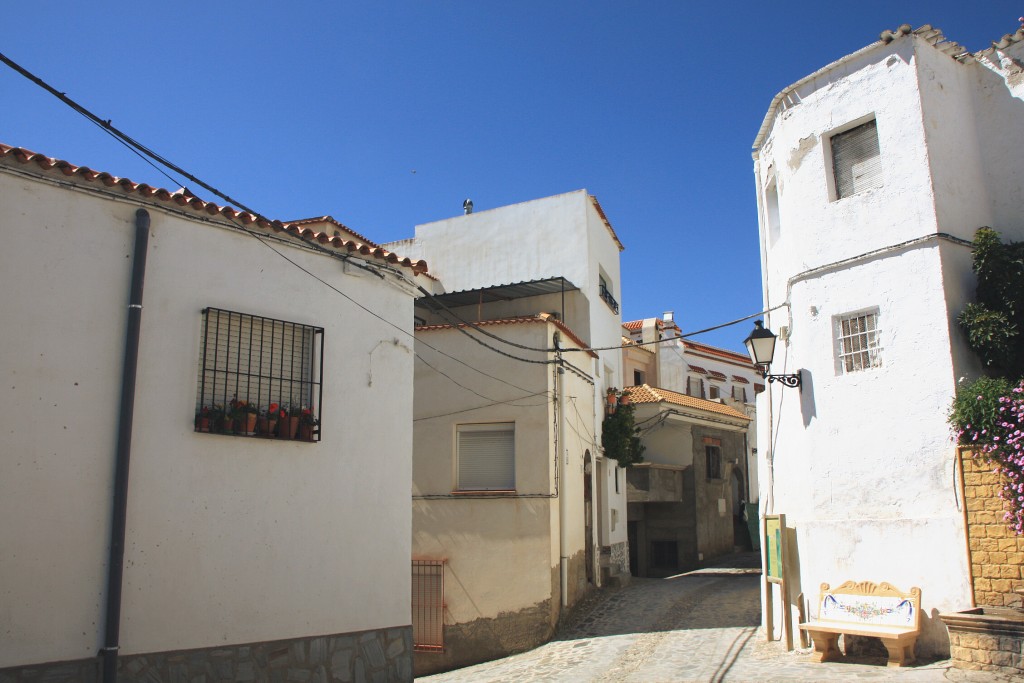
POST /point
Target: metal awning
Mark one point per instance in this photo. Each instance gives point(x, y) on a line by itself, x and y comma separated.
point(484, 295)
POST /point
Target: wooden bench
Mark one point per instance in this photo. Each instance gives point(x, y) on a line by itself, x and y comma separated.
point(867, 609)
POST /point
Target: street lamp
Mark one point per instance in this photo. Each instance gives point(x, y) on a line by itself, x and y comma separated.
point(761, 347)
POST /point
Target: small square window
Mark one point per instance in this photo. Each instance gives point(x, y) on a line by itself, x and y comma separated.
point(857, 342)
point(486, 457)
point(856, 160)
point(638, 377)
point(714, 392)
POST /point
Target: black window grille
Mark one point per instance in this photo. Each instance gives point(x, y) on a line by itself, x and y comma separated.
point(713, 462)
point(606, 294)
point(259, 377)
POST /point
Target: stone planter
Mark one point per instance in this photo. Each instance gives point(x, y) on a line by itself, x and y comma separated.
point(987, 639)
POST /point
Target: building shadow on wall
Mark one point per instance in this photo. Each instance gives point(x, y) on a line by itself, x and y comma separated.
point(807, 408)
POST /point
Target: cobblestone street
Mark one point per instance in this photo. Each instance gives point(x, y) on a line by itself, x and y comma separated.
point(701, 626)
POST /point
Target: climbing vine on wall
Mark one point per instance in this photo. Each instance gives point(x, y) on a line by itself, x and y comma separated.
point(987, 414)
point(619, 436)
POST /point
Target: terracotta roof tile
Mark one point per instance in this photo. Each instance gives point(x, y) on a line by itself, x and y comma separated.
point(184, 199)
point(716, 351)
point(607, 223)
point(539, 318)
point(337, 224)
point(648, 394)
point(633, 324)
point(741, 380)
point(715, 374)
point(698, 369)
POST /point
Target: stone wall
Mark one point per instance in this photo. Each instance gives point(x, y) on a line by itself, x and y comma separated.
point(1002, 652)
point(378, 655)
point(997, 554)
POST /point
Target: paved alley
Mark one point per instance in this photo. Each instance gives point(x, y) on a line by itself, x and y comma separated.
point(701, 626)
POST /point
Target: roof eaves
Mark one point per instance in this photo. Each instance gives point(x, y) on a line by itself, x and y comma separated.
point(607, 223)
point(186, 200)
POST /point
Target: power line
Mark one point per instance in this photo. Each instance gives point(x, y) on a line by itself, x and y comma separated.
point(143, 151)
point(494, 403)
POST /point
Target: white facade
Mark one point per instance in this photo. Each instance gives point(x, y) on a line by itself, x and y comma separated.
point(516, 559)
point(230, 541)
point(699, 370)
point(863, 463)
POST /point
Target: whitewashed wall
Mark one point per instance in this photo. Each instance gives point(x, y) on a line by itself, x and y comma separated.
point(863, 463)
point(558, 236)
point(229, 540)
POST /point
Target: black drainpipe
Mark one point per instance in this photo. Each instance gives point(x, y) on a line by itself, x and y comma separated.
point(115, 568)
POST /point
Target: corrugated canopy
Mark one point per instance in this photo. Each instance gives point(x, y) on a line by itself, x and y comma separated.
point(518, 290)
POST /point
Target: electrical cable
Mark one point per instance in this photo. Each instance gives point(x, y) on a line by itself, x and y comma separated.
point(139, 149)
point(494, 403)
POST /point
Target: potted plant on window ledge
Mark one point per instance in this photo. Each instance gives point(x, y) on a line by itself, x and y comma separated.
point(267, 422)
point(244, 416)
point(307, 425)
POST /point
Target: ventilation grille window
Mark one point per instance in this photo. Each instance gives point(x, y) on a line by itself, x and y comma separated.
point(856, 160)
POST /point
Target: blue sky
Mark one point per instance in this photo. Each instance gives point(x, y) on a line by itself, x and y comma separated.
point(388, 114)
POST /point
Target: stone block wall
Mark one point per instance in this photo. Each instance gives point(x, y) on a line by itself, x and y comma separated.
point(997, 554)
point(987, 652)
point(383, 655)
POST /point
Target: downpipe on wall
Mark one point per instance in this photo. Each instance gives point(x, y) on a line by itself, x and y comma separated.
point(563, 462)
point(115, 565)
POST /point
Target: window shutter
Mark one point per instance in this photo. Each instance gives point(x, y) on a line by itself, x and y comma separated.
point(856, 160)
point(487, 458)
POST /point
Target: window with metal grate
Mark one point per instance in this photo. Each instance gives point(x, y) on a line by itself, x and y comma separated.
point(856, 160)
point(269, 369)
point(857, 341)
point(428, 605)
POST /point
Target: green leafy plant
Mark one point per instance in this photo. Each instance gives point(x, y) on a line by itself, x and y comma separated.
point(993, 323)
point(620, 436)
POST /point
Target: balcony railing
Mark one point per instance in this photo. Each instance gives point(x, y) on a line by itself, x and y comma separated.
point(608, 298)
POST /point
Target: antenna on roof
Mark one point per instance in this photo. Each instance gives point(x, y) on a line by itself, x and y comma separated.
point(467, 206)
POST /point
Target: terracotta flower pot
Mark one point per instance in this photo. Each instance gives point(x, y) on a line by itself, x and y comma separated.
point(287, 427)
point(249, 423)
point(202, 424)
point(265, 426)
point(306, 432)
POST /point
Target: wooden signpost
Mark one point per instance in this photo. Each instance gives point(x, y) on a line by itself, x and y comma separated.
point(774, 544)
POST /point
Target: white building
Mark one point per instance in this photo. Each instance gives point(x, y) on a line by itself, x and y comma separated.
point(516, 512)
point(260, 557)
point(691, 499)
point(873, 174)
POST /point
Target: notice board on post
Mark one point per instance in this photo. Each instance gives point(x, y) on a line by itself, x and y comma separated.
point(774, 544)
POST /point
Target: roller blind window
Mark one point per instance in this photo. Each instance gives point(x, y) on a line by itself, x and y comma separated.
point(856, 160)
point(486, 457)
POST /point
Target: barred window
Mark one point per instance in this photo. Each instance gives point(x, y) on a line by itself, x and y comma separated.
point(259, 376)
point(428, 605)
point(856, 160)
point(857, 341)
point(713, 462)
